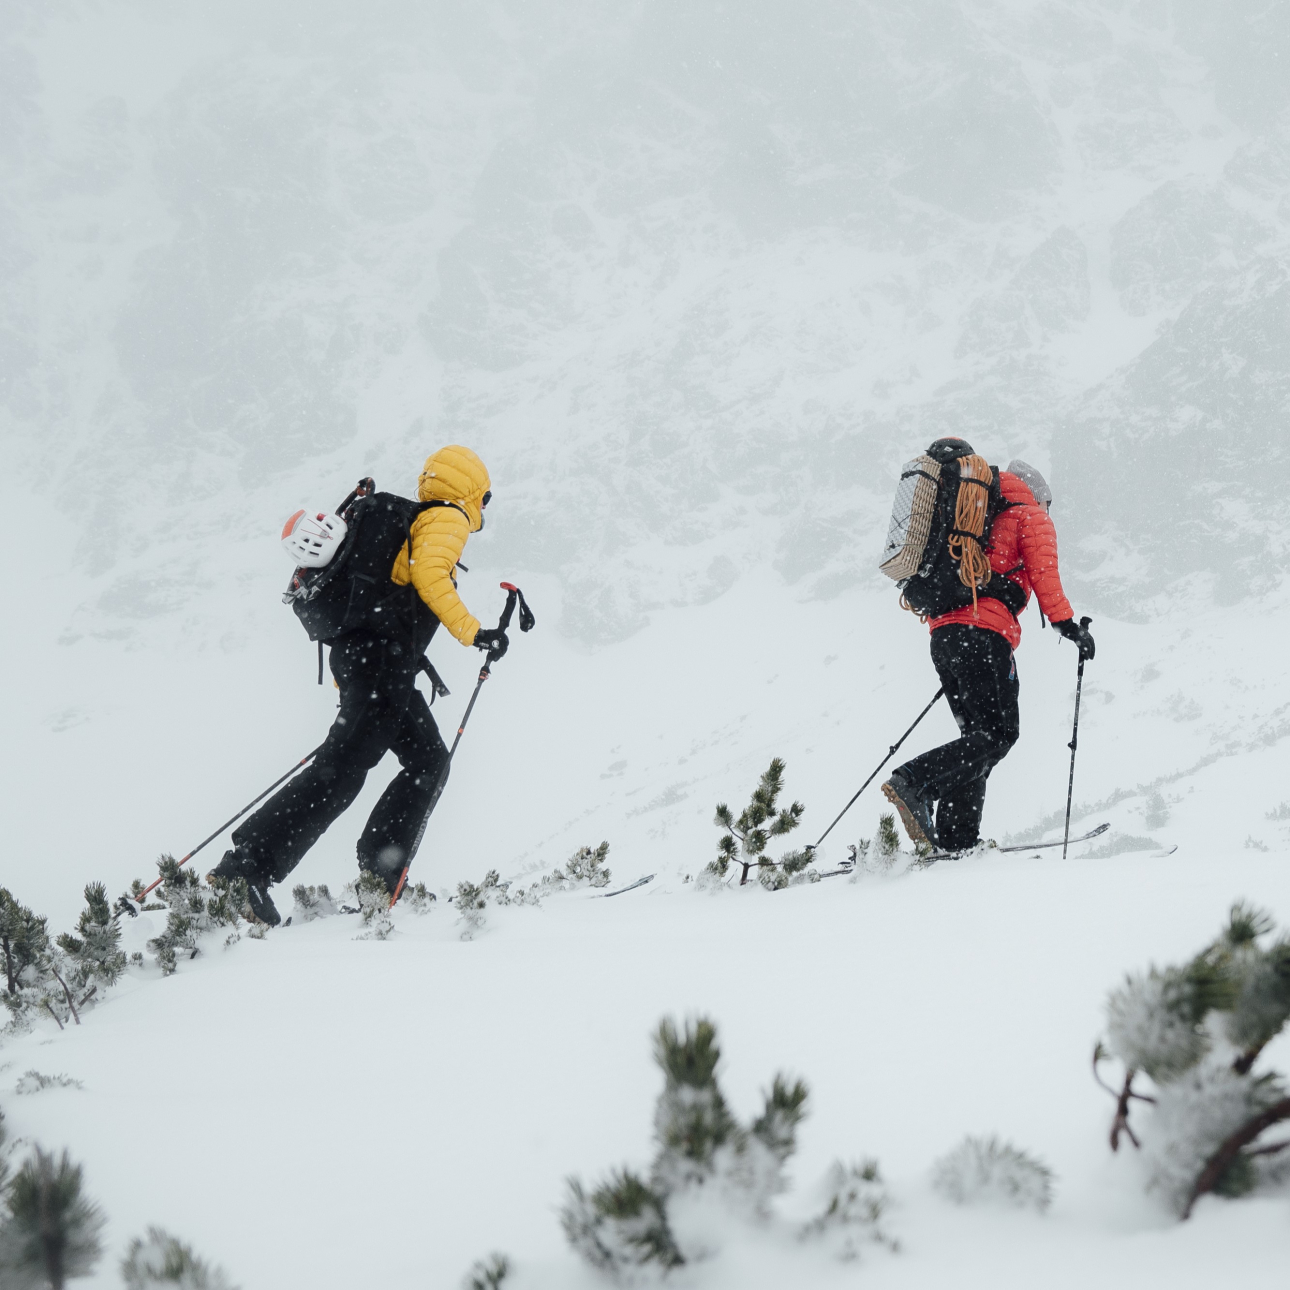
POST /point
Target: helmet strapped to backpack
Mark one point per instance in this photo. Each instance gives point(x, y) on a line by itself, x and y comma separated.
point(354, 589)
point(312, 540)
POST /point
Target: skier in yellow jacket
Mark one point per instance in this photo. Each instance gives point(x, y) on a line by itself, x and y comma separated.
point(380, 707)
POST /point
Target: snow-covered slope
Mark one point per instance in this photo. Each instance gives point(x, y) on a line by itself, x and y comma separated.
point(694, 280)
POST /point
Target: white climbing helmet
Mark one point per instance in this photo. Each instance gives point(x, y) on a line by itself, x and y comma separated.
point(312, 540)
point(1033, 480)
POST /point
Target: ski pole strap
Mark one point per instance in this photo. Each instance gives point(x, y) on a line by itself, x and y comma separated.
point(891, 752)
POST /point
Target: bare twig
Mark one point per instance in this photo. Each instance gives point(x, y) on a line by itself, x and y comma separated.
point(53, 1014)
point(1247, 1059)
point(88, 995)
point(1223, 1159)
point(67, 994)
point(1270, 1150)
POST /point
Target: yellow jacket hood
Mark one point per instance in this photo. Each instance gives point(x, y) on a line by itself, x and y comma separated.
point(455, 474)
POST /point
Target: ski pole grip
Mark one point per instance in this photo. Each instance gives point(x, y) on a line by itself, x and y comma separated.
point(1084, 622)
point(512, 594)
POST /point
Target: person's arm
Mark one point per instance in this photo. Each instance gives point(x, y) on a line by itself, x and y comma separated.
point(1037, 541)
point(438, 539)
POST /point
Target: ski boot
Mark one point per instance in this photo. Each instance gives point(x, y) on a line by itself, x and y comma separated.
point(915, 811)
point(259, 906)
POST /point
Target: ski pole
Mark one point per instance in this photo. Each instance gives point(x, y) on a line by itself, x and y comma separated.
point(527, 623)
point(891, 752)
point(1070, 783)
point(304, 761)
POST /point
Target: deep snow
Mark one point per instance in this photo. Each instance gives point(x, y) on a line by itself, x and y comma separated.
point(694, 286)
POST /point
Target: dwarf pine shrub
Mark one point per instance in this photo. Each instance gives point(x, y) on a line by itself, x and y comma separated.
point(35, 1082)
point(744, 840)
point(487, 1274)
point(50, 1231)
point(310, 903)
point(473, 898)
point(94, 950)
point(25, 946)
point(1196, 1031)
point(417, 897)
point(585, 868)
point(158, 1261)
point(986, 1171)
point(373, 899)
point(194, 909)
point(706, 1164)
point(857, 1200)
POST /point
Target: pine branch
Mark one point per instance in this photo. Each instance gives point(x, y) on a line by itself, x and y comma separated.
point(1226, 1155)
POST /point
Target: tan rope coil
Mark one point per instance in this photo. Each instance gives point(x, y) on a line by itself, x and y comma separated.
point(970, 512)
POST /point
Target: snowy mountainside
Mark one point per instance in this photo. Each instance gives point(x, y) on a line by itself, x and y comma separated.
point(694, 284)
point(695, 280)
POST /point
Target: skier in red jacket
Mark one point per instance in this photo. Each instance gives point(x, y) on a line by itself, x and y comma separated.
point(972, 650)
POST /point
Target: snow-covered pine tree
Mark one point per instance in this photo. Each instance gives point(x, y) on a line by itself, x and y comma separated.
point(472, 900)
point(886, 843)
point(857, 1200)
point(194, 909)
point(158, 1260)
point(745, 839)
point(24, 944)
point(50, 1232)
point(878, 854)
point(373, 898)
point(36, 971)
point(96, 958)
point(310, 903)
point(987, 1171)
point(487, 1274)
point(417, 897)
point(620, 1227)
point(585, 868)
point(1197, 1031)
point(705, 1157)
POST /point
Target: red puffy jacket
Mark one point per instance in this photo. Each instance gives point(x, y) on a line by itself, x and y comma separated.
point(1022, 534)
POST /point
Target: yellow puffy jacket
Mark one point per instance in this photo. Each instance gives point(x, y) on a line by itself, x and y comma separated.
point(456, 475)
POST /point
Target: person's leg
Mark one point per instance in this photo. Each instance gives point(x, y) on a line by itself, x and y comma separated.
point(394, 828)
point(989, 701)
point(967, 660)
point(374, 689)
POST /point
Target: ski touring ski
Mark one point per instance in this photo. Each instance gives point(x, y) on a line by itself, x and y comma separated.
point(640, 882)
point(1030, 846)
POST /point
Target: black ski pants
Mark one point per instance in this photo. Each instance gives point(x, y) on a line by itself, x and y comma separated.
point(979, 673)
point(381, 710)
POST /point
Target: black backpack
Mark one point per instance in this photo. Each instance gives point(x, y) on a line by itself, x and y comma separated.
point(355, 591)
point(936, 588)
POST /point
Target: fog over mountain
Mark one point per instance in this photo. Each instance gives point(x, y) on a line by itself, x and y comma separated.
point(680, 271)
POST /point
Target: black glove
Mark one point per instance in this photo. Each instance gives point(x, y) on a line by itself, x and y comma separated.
point(1079, 633)
point(493, 639)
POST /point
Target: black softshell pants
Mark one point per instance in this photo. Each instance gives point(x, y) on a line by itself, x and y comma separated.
point(979, 673)
point(380, 710)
